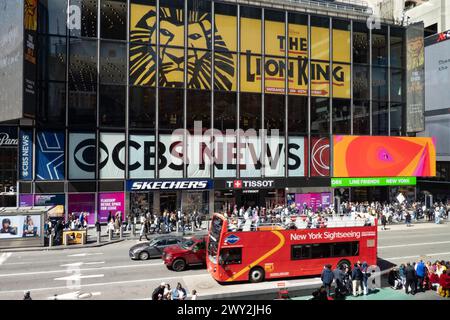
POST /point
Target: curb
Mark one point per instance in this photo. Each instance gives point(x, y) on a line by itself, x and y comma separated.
point(61, 247)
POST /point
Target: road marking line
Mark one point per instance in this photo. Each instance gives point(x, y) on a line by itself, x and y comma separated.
point(84, 254)
point(75, 277)
point(102, 284)
point(418, 255)
point(79, 264)
point(85, 269)
point(414, 244)
point(4, 256)
point(74, 295)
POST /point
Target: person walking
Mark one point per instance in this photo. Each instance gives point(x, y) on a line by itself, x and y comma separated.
point(357, 278)
point(383, 222)
point(144, 230)
point(339, 276)
point(420, 272)
point(27, 295)
point(366, 275)
point(158, 293)
point(410, 275)
point(194, 295)
point(327, 278)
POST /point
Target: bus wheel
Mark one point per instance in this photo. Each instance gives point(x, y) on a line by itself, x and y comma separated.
point(256, 275)
point(179, 265)
point(344, 263)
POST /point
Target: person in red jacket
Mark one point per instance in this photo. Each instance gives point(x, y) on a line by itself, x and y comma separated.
point(444, 282)
point(434, 280)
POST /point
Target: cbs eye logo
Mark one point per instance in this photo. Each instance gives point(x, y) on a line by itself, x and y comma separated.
point(84, 155)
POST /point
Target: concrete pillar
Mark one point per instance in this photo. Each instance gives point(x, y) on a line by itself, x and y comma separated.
point(50, 240)
point(110, 234)
point(98, 237)
point(133, 228)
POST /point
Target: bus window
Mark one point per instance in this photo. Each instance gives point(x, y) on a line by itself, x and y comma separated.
point(319, 251)
point(355, 249)
point(231, 256)
point(342, 249)
point(300, 252)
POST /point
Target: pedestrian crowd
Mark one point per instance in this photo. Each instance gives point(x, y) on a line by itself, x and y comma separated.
point(165, 292)
point(167, 222)
point(345, 280)
point(420, 277)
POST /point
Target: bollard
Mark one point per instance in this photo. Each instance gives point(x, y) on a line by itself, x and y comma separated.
point(50, 240)
point(192, 226)
point(133, 229)
point(66, 239)
point(110, 234)
point(121, 232)
point(98, 237)
point(178, 226)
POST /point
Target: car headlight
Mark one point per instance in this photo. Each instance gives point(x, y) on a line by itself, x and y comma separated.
point(168, 256)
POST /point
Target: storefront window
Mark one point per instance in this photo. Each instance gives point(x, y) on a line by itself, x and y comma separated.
point(195, 202)
point(396, 119)
point(142, 108)
point(320, 116)
point(112, 106)
point(113, 24)
point(89, 10)
point(141, 204)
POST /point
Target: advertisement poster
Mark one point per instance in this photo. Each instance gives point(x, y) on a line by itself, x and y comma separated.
point(26, 155)
point(110, 203)
point(313, 200)
point(56, 200)
point(81, 158)
point(50, 155)
point(82, 202)
point(26, 200)
point(20, 226)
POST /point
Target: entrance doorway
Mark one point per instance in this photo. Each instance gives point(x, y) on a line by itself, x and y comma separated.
point(169, 201)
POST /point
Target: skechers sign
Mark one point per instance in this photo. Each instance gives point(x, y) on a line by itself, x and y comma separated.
point(155, 185)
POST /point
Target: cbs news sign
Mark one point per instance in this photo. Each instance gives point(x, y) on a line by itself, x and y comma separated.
point(273, 68)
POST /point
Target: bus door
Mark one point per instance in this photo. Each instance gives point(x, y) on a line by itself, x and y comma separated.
point(229, 257)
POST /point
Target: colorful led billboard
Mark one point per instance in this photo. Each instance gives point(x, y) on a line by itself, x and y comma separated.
point(369, 156)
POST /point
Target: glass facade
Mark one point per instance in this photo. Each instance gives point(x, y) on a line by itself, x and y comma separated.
point(136, 71)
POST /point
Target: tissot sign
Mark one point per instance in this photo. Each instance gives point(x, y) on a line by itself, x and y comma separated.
point(249, 184)
point(156, 185)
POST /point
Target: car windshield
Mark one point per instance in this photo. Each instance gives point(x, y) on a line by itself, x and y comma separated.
point(187, 244)
point(153, 242)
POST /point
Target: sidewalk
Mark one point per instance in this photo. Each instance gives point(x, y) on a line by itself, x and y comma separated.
point(414, 225)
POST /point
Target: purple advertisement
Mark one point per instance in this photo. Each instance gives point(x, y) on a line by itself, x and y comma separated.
point(110, 202)
point(313, 200)
point(26, 200)
point(82, 202)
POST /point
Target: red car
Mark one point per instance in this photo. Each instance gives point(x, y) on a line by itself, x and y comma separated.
point(189, 253)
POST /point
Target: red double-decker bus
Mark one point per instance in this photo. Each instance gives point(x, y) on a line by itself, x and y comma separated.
point(273, 251)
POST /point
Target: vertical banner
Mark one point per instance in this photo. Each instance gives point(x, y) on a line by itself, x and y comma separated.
point(30, 58)
point(50, 155)
point(297, 157)
point(415, 78)
point(320, 157)
point(112, 156)
point(26, 155)
point(171, 156)
point(110, 203)
point(142, 157)
point(275, 157)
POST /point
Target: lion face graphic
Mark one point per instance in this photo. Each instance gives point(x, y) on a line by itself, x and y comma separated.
point(172, 55)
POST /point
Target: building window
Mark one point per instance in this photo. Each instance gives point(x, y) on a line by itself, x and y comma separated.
point(226, 24)
point(83, 61)
point(142, 106)
point(320, 116)
point(361, 82)
point(274, 113)
point(397, 47)
point(52, 104)
point(380, 118)
point(52, 16)
point(170, 109)
point(250, 111)
point(379, 84)
point(52, 58)
point(361, 117)
point(112, 106)
point(297, 115)
point(199, 24)
point(198, 110)
point(89, 12)
point(113, 23)
point(361, 44)
point(82, 105)
point(225, 111)
point(380, 46)
point(113, 63)
point(397, 119)
point(341, 116)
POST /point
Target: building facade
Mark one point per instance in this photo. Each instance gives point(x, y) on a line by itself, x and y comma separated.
point(152, 105)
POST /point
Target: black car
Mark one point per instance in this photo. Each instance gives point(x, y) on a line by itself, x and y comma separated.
point(154, 248)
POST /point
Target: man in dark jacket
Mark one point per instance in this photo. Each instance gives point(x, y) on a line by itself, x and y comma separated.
point(357, 277)
point(327, 278)
point(410, 275)
point(339, 275)
point(158, 293)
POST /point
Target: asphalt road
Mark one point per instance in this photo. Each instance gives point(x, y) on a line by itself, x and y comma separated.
point(108, 273)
